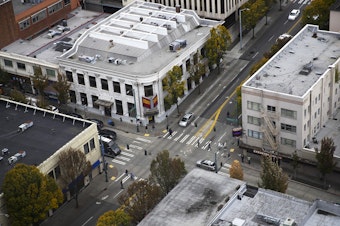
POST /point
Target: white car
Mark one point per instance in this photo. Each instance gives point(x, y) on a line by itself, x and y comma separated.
point(187, 118)
point(294, 14)
point(206, 164)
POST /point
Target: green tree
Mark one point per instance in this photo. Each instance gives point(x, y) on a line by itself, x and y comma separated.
point(258, 65)
point(257, 9)
point(295, 162)
point(236, 170)
point(317, 12)
point(325, 157)
point(166, 171)
point(73, 166)
point(174, 86)
point(18, 96)
point(114, 218)
point(62, 86)
point(197, 70)
point(29, 195)
point(272, 176)
point(217, 44)
point(140, 199)
point(40, 82)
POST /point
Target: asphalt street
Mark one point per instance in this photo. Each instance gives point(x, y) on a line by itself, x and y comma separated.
point(306, 185)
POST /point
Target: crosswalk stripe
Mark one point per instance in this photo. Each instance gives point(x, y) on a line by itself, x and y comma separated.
point(227, 165)
point(135, 146)
point(198, 140)
point(122, 158)
point(173, 134)
point(191, 139)
point(184, 138)
point(143, 139)
point(165, 135)
point(206, 144)
point(223, 173)
point(119, 162)
point(178, 137)
point(127, 154)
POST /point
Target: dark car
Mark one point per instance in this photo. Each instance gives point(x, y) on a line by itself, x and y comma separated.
point(100, 123)
point(108, 133)
point(75, 115)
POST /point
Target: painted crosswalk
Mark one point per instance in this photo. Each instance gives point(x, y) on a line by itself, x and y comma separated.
point(188, 139)
point(224, 170)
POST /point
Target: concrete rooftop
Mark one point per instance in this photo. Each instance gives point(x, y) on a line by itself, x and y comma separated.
point(286, 71)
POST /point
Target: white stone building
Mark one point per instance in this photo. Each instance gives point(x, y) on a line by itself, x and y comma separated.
point(117, 66)
point(291, 102)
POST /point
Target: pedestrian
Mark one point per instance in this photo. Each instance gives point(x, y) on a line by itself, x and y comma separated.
point(198, 143)
point(242, 157)
point(121, 184)
point(126, 172)
point(132, 176)
point(145, 152)
point(209, 146)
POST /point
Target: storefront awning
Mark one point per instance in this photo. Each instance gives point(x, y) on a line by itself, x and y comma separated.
point(104, 103)
point(151, 112)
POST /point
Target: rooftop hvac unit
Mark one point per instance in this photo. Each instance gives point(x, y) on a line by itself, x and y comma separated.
point(111, 60)
point(118, 61)
point(86, 59)
point(289, 222)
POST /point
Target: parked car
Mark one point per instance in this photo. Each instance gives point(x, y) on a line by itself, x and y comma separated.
point(100, 123)
point(53, 33)
point(108, 133)
point(187, 119)
point(111, 149)
point(62, 28)
point(294, 14)
point(206, 164)
point(53, 108)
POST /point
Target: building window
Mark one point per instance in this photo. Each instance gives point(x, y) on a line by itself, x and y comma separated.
point(288, 128)
point(81, 79)
point(94, 98)
point(116, 87)
point(21, 66)
point(93, 81)
point(105, 86)
point(305, 112)
point(24, 24)
point(119, 107)
point(38, 16)
point(254, 134)
point(253, 106)
point(187, 64)
point(73, 96)
point(55, 7)
point(271, 108)
point(148, 90)
point(92, 144)
point(304, 127)
point(288, 113)
point(128, 89)
point(285, 141)
point(8, 63)
point(67, 2)
point(86, 148)
point(83, 99)
point(57, 172)
point(69, 76)
point(131, 109)
point(50, 72)
point(254, 120)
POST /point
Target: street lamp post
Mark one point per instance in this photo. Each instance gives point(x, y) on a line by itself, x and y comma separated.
point(167, 122)
point(134, 101)
point(241, 10)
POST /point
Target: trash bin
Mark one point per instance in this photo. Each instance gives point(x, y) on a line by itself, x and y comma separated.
point(110, 122)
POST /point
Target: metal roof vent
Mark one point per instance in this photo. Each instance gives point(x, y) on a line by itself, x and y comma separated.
point(307, 68)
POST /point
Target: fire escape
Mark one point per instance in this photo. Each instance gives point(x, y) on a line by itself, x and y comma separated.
point(270, 132)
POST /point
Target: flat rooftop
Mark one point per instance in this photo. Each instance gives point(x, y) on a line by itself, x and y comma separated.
point(135, 40)
point(46, 49)
point(47, 135)
point(300, 63)
point(268, 207)
point(194, 201)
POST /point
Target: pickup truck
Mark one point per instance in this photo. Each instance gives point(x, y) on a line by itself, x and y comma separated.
point(25, 126)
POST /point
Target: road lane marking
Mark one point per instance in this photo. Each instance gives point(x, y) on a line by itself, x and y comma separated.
point(143, 140)
point(119, 162)
point(178, 137)
point(88, 220)
point(184, 138)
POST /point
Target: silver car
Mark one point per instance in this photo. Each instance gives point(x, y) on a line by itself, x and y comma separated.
point(186, 120)
point(206, 164)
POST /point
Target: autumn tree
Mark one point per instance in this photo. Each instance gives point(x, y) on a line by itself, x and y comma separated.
point(317, 12)
point(236, 170)
point(40, 82)
point(166, 172)
point(272, 176)
point(325, 157)
point(62, 86)
point(217, 44)
point(111, 217)
point(29, 195)
point(250, 18)
point(197, 70)
point(140, 199)
point(73, 166)
point(174, 86)
point(18, 96)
